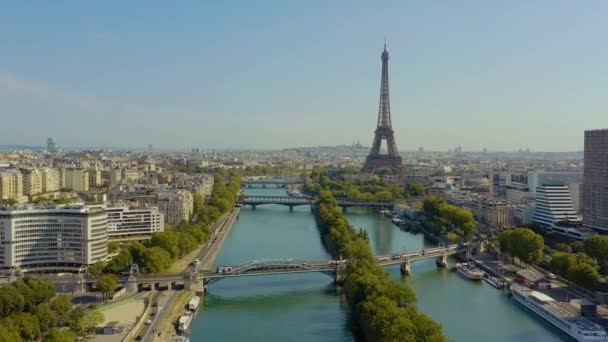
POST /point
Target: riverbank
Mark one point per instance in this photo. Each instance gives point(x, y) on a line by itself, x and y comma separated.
point(207, 253)
point(218, 235)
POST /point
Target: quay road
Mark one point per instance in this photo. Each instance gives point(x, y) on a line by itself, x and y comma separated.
point(160, 323)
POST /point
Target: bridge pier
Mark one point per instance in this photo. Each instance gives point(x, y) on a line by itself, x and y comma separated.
point(253, 207)
point(344, 208)
point(340, 274)
point(406, 267)
point(442, 261)
point(131, 284)
point(291, 208)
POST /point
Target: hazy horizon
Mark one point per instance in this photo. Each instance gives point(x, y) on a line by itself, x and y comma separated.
point(271, 75)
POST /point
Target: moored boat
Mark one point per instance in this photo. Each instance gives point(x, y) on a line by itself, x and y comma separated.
point(469, 271)
point(494, 281)
point(194, 303)
point(558, 314)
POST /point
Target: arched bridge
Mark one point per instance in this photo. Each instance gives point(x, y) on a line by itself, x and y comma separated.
point(195, 279)
point(329, 267)
point(292, 201)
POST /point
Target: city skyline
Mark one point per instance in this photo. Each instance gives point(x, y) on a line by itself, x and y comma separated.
point(502, 77)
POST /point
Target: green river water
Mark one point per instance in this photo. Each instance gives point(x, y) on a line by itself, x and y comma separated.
point(308, 307)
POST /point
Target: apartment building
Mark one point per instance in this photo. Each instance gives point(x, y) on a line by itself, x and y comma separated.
point(76, 179)
point(52, 237)
point(11, 185)
point(134, 222)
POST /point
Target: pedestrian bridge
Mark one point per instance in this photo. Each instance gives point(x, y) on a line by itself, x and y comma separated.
point(292, 201)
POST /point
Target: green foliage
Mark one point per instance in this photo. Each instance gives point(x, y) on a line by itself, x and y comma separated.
point(107, 284)
point(385, 310)
point(120, 263)
point(166, 240)
point(62, 306)
point(59, 335)
point(597, 247)
point(113, 246)
point(46, 317)
point(562, 262)
point(155, 260)
point(97, 269)
point(522, 243)
point(26, 325)
point(585, 275)
point(415, 189)
point(442, 218)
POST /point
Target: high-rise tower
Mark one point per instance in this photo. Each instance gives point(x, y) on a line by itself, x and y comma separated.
point(384, 131)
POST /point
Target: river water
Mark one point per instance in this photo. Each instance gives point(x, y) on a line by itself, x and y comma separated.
point(308, 307)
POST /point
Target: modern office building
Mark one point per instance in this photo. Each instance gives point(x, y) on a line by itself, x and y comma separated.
point(11, 185)
point(126, 222)
point(499, 180)
point(50, 145)
point(539, 178)
point(553, 204)
point(52, 237)
point(76, 179)
point(595, 183)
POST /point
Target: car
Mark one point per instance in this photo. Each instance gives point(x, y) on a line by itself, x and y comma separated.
point(551, 276)
point(148, 322)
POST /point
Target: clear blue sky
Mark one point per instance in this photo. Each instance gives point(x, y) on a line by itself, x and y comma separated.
point(266, 74)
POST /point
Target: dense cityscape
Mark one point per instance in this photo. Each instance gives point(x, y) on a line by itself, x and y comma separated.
point(322, 242)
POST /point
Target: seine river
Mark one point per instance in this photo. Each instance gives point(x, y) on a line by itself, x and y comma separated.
point(308, 307)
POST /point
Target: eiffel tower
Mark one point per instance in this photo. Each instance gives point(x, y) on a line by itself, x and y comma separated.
point(384, 131)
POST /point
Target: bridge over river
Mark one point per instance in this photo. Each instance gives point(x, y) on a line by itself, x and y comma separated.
point(293, 201)
point(274, 182)
point(195, 278)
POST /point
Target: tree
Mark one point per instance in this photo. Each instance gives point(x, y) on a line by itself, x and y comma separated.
point(96, 269)
point(155, 260)
point(597, 247)
point(584, 275)
point(26, 324)
point(415, 189)
point(59, 335)
point(431, 206)
point(11, 300)
point(113, 246)
point(522, 243)
point(8, 333)
point(46, 317)
point(121, 262)
point(166, 240)
point(107, 284)
point(186, 243)
point(90, 320)
point(562, 262)
point(62, 305)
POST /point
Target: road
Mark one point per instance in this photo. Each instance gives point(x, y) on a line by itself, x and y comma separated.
point(164, 302)
point(218, 234)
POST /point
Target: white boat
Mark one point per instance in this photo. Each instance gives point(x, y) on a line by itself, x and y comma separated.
point(183, 323)
point(561, 316)
point(494, 281)
point(396, 221)
point(194, 303)
point(469, 271)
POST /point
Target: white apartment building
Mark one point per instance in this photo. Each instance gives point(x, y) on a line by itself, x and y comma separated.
point(76, 179)
point(52, 237)
point(94, 178)
point(51, 179)
point(134, 222)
